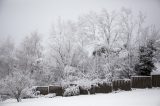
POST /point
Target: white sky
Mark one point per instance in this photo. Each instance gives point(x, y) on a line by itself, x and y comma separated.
point(19, 18)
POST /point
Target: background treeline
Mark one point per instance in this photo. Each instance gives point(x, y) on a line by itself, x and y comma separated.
point(97, 47)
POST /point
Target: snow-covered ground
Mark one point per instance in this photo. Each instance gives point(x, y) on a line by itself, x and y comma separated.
point(138, 97)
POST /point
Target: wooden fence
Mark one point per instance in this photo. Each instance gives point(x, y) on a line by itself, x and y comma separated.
point(156, 80)
point(83, 91)
point(57, 89)
point(141, 81)
point(134, 82)
point(122, 85)
point(43, 90)
point(103, 88)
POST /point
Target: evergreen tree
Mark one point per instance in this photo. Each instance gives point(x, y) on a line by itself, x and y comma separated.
point(146, 54)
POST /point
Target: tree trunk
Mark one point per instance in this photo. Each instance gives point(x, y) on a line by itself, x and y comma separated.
point(18, 99)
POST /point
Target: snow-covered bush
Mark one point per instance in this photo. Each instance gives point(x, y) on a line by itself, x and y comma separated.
point(51, 95)
point(30, 93)
point(71, 91)
point(84, 84)
point(87, 86)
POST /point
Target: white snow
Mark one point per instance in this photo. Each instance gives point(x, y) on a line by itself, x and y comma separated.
point(157, 71)
point(138, 97)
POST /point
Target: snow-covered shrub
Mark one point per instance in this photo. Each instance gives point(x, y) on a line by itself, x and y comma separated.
point(71, 91)
point(84, 84)
point(30, 93)
point(51, 95)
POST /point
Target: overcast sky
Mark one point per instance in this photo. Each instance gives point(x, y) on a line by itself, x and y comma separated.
point(19, 18)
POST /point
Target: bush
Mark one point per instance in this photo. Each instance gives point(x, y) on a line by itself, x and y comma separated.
point(51, 95)
point(86, 86)
point(30, 93)
point(71, 91)
point(4, 97)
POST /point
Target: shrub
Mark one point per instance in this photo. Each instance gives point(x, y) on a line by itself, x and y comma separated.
point(51, 95)
point(87, 86)
point(71, 91)
point(30, 93)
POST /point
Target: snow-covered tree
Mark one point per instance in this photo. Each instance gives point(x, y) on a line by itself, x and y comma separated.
point(7, 56)
point(146, 54)
point(30, 52)
point(29, 57)
point(16, 83)
point(63, 47)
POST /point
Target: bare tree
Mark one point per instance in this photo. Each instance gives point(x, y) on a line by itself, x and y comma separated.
point(15, 84)
point(7, 56)
point(63, 46)
point(29, 53)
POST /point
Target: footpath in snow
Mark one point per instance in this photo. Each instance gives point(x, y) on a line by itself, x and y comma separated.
point(138, 97)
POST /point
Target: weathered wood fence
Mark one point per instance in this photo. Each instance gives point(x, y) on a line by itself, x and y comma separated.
point(103, 88)
point(57, 89)
point(43, 90)
point(134, 82)
point(141, 82)
point(155, 80)
point(121, 85)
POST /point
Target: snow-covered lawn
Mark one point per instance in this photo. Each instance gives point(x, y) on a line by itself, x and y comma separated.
point(138, 97)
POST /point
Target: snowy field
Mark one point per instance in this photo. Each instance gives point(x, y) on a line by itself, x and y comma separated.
point(138, 97)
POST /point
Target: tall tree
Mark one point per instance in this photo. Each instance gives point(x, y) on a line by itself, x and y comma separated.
point(7, 56)
point(30, 52)
point(146, 54)
point(30, 58)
